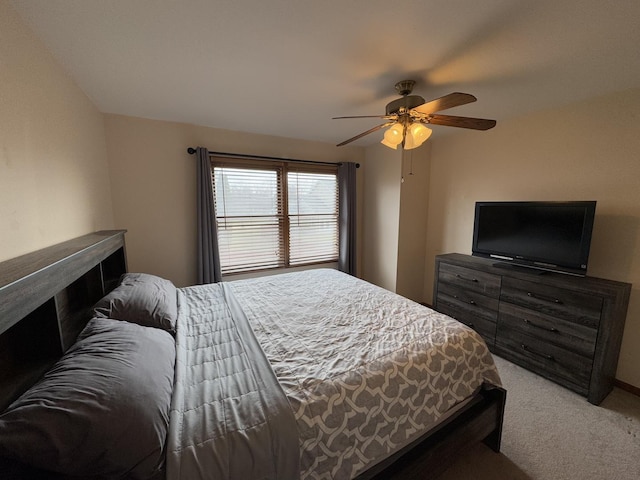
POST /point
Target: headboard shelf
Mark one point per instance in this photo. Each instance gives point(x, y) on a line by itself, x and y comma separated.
point(74, 303)
point(45, 300)
point(35, 277)
point(27, 350)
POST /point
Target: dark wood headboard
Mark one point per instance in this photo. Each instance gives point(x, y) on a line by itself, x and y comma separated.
point(45, 301)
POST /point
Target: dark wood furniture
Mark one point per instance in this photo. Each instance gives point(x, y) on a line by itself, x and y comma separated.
point(565, 328)
point(45, 298)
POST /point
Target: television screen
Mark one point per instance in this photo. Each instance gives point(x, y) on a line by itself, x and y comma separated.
point(545, 235)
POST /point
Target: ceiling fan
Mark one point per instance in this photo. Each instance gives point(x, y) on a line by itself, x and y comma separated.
point(406, 117)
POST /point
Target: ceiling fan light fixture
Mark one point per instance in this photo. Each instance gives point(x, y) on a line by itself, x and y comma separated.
point(393, 136)
point(417, 134)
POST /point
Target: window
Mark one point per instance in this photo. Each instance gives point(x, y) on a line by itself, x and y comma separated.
point(274, 214)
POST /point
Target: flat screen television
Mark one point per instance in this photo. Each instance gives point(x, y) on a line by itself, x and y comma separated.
point(548, 236)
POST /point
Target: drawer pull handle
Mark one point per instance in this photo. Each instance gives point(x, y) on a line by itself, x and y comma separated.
point(460, 277)
point(543, 298)
point(527, 349)
point(549, 329)
point(470, 302)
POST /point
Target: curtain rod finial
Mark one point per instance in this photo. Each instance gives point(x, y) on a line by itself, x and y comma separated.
point(191, 150)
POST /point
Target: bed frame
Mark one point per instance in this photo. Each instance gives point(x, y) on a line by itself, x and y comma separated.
point(45, 301)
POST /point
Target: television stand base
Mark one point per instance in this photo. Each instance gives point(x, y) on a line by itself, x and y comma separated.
point(520, 268)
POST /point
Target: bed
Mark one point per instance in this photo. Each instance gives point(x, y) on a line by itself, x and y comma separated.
point(306, 375)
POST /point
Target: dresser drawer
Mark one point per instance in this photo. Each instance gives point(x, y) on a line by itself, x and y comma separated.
point(472, 280)
point(568, 305)
point(475, 303)
point(548, 360)
point(473, 309)
point(568, 335)
point(486, 328)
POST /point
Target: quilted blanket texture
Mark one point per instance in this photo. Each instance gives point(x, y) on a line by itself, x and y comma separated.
point(229, 418)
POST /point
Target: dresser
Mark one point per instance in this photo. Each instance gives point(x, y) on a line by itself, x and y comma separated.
point(565, 328)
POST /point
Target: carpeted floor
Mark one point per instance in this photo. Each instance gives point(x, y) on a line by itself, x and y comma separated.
point(551, 433)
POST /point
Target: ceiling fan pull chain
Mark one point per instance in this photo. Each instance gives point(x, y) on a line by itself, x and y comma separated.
point(411, 162)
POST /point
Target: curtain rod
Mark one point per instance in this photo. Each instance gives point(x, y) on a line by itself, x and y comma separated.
point(192, 150)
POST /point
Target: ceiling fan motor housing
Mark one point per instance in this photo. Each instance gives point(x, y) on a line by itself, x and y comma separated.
point(407, 103)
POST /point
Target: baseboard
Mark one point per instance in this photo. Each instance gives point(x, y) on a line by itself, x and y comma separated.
point(626, 387)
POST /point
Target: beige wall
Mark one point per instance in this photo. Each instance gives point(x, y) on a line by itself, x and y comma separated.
point(382, 176)
point(585, 151)
point(153, 182)
point(412, 231)
point(54, 182)
point(395, 219)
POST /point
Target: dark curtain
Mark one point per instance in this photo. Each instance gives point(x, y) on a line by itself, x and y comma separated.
point(347, 220)
point(208, 255)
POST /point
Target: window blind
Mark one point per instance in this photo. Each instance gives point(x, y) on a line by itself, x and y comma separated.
point(248, 204)
point(274, 214)
point(313, 217)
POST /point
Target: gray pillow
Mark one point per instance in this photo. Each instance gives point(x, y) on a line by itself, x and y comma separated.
point(102, 410)
point(143, 299)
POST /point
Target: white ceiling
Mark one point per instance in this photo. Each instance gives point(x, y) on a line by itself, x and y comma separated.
point(285, 67)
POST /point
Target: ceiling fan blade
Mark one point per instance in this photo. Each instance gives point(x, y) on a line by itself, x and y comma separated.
point(461, 122)
point(371, 130)
point(448, 101)
point(361, 116)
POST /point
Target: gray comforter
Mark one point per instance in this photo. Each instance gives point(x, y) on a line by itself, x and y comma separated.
point(364, 371)
point(229, 417)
